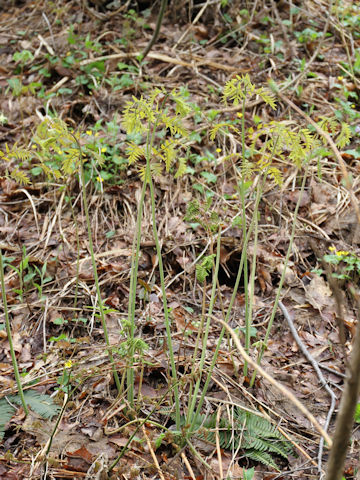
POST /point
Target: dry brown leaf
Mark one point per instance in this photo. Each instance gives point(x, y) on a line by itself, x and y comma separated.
point(318, 292)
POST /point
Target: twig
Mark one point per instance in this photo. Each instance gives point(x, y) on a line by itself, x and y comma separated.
point(157, 29)
point(167, 59)
point(217, 439)
point(196, 19)
point(316, 367)
point(152, 453)
point(188, 466)
point(273, 382)
point(345, 416)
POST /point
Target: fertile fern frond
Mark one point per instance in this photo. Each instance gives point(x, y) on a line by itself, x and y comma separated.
point(182, 108)
point(134, 152)
point(19, 177)
point(181, 170)
point(344, 136)
point(238, 88)
point(215, 129)
point(169, 153)
point(267, 96)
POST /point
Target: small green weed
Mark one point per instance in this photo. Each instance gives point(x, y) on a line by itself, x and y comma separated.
point(346, 264)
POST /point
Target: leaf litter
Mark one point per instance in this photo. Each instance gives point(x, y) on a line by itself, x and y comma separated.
point(48, 332)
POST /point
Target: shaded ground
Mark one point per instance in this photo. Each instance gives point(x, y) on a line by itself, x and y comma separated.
point(311, 50)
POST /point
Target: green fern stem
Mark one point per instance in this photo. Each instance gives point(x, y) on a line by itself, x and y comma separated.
point(93, 262)
point(246, 280)
point(228, 313)
point(77, 247)
point(281, 283)
point(132, 297)
point(192, 401)
point(135, 261)
point(9, 336)
point(161, 269)
point(164, 300)
point(253, 268)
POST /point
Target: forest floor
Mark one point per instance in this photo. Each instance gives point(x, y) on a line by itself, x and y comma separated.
point(299, 242)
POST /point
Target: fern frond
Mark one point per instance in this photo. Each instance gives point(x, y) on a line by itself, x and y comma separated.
point(6, 412)
point(174, 124)
point(50, 172)
point(259, 438)
point(4, 157)
point(142, 172)
point(134, 152)
point(279, 447)
point(192, 211)
point(201, 273)
point(267, 96)
point(100, 159)
point(20, 153)
point(182, 108)
point(276, 175)
point(344, 136)
point(238, 88)
point(155, 93)
point(247, 168)
point(262, 457)
point(169, 153)
point(155, 168)
point(19, 177)
point(41, 404)
point(215, 129)
point(131, 120)
point(181, 170)
point(70, 160)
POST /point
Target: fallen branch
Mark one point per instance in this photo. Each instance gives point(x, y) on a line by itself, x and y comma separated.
point(316, 367)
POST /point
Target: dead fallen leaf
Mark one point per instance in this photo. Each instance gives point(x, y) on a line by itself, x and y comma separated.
point(318, 292)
